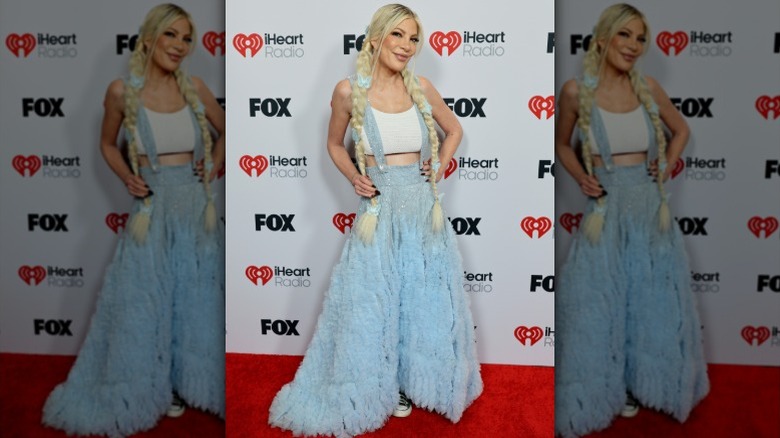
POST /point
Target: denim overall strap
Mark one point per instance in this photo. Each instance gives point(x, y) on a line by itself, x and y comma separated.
point(600, 135)
point(374, 138)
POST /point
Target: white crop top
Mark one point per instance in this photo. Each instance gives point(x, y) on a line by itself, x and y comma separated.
point(172, 132)
point(400, 132)
point(626, 132)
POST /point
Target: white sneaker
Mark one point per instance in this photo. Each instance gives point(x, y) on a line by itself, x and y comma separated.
point(404, 408)
point(177, 407)
point(631, 408)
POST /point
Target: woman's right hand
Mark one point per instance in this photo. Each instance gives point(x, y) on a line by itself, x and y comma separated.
point(137, 187)
point(364, 186)
point(591, 187)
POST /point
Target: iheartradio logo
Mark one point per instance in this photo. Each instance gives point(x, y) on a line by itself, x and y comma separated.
point(342, 220)
point(30, 163)
point(258, 163)
point(451, 40)
point(262, 273)
point(32, 275)
point(20, 45)
point(570, 221)
point(679, 166)
point(538, 104)
point(452, 166)
point(667, 40)
point(252, 42)
point(766, 104)
point(532, 334)
point(213, 41)
point(759, 334)
point(757, 224)
point(115, 221)
point(541, 225)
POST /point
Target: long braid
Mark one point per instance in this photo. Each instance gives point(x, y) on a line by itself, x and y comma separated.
point(366, 224)
point(139, 223)
point(594, 221)
point(413, 87)
point(642, 91)
point(191, 96)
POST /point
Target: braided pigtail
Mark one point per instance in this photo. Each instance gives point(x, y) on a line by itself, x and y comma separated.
point(594, 221)
point(191, 96)
point(139, 223)
point(643, 92)
point(366, 224)
point(413, 87)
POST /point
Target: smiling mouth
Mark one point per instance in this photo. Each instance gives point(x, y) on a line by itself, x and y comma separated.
point(402, 58)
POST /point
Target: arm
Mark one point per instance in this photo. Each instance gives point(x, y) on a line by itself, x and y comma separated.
point(567, 115)
point(341, 108)
point(113, 114)
point(216, 116)
point(674, 121)
point(447, 121)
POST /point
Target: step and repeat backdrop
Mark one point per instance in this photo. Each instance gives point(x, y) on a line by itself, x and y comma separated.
point(719, 61)
point(62, 207)
point(289, 210)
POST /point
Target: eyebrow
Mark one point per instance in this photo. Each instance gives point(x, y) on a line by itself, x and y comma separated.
point(402, 31)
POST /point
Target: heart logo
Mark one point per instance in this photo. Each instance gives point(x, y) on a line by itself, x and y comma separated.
point(766, 104)
point(258, 163)
point(532, 334)
point(541, 225)
point(452, 166)
point(570, 221)
point(538, 104)
point(679, 165)
point(768, 225)
point(667, 40)
point(213, 41)
point(20, 45)
point(32, 275)
point(759, 334)
point(451, 40)
point(253, 42)
point(30, 163)
point(342, 221)
point(263, 273)
point(115, 221)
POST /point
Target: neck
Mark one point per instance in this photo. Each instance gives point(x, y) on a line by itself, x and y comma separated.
point(158, 78)
point(611, 78)
point(385, 78)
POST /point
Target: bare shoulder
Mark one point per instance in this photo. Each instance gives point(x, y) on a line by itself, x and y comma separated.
point(655, 89)
point(570, 90)
point(343, 89)
point(115, 95)
point(198, 83)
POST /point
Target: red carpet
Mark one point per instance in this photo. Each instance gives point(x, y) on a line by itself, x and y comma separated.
point(517, 402)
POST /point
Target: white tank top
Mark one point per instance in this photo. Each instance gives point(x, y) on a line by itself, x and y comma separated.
point(400, 132)
point(626, 132)
point(172, 132)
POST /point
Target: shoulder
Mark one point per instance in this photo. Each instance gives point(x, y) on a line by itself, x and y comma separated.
point(570, 89)
point(199, 86)
point(655, 89)
point(343, 89)
point(115, 95)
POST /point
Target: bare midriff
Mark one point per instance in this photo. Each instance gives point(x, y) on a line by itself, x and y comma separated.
point(395, 159)
point(176, 159)
point(622, 159)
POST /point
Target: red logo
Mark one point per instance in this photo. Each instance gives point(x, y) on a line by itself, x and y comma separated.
point(213, 41)
point(768, 225)
point(679, 165)
point(32, 275)
point(253, 42)
point(533, 334)
point(759, 334)
point(22, 163)
point(115, 221)
point(24, 43)
point(258, 163)
point(570, 221)
point(667, 40)
point(452, 166)
point(451, 40)
point(537, 104)
point(342, 221)
point(541, 226)
point(765, 104)
point(264, 273)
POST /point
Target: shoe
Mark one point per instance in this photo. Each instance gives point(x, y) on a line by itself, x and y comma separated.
point(404, 408)
point(631, 408)
point(177, 407)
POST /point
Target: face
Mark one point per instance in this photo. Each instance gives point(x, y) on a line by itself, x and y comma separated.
point(173, 45)
point(399, 46)
point(626, 46)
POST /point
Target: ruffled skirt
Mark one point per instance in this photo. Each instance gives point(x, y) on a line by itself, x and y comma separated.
point(395, 318)
point(159, 323)
point(625, 317)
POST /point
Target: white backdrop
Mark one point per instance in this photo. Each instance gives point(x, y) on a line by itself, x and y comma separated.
point(61, 204)
point(280, 173)
point(725, 191)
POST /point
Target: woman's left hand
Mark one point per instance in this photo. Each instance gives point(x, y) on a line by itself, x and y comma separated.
point(427, 170)
point(652, 170)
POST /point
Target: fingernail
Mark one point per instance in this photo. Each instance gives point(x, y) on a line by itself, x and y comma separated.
point(377, 193)
point(427, 180)
point(200, 179)
point(373, 186)
point(146, 185)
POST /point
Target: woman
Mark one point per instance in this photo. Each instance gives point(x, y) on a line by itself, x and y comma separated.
point(395, 318)
point(627, 324)
point(157, 335)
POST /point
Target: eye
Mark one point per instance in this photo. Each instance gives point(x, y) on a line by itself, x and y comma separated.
point(169, 33)
point(415, 40)
point(188, 40)
point(623, 33)
point(396, 34)
point(642, 39)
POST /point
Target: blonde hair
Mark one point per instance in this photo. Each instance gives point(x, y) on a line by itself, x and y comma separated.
point(611, 20)
point(384, 20)
point(157, 20)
